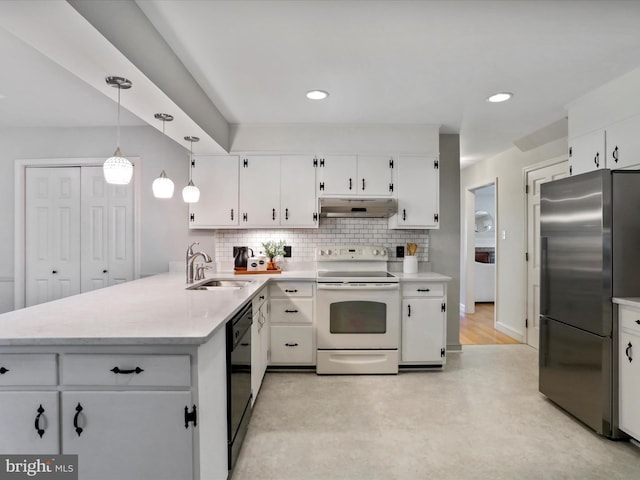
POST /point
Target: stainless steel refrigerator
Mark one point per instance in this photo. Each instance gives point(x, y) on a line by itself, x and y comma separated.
point(589, 253)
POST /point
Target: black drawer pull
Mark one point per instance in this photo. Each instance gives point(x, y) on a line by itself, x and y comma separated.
point(409, 310)
point(628, 352)
point(190, 416)
point(291, 291)
point(4, 370)
point(424, 290)
point(37, 422)
point(75, 419)
point(291, 344)
point(291, 311)
point(117, 370)
point(637, 321)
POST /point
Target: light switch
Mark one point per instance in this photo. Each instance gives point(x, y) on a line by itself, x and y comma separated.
point(504, 234)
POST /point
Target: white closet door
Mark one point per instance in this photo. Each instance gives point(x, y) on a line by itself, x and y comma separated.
point(107, 231)
point(52, 260)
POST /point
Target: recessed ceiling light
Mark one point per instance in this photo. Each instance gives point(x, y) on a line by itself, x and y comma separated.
point(499, 97)
point(317, 94)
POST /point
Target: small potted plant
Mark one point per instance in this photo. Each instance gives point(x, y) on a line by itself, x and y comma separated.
point(273, 249)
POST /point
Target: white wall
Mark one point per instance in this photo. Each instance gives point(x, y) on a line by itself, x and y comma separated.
point(164, 232)
point(508, 168)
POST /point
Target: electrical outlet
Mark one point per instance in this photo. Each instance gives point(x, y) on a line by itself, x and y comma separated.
point(400, 251)
point(287, 251)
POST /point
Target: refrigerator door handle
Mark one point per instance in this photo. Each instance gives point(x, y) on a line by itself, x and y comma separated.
point(544, 277)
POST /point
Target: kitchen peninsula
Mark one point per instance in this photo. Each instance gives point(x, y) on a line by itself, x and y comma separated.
point(132, 378)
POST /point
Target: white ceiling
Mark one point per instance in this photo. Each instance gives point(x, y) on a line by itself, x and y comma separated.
point(415, 62)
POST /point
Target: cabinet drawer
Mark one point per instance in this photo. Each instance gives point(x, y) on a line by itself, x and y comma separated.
point(291, 289)
point(292, 345)
point(422, 289)
point(28, 369)
point(292, 310)
point(629, 318)
point(126, 370)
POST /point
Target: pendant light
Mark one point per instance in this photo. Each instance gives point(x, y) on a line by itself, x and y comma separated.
point(117, 169)
point(163, 186)
point(191, 193)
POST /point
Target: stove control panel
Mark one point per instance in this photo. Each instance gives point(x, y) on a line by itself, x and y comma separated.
point(351, 252)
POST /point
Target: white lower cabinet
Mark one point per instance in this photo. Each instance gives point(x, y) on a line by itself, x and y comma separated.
point(259, 341)
point(423, 337)
point(292, 345)
point(31, 418)
point(292, 324)
point(128, 435)
point(629, 371)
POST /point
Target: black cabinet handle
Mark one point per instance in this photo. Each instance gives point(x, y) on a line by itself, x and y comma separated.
point(54, 271)
point(105, 271)
point(615, 154)
point(628, 351)
point(286, 214)
point(596, 160)
point(291, 344)
point(404, 214)
point(37, 422)
point(423, 290)
point(75, 419)
point(273, 213)
point(363, 184)
point(637, 321)
point(409, 308)
point(3, 370)
point(232, 214)
point(245, 217)
point(261, 297)
point(117, 370)
point(291, 291)
point(291, 311)
point(350, 184)
point(190, 416)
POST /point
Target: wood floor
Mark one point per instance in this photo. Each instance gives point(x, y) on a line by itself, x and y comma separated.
point(477, 328)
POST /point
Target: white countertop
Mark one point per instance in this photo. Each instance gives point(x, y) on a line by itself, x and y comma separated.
point(629, 301)
point(156, 310)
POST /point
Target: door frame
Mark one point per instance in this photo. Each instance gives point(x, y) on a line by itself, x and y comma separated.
point(469, 247)
point(525, 173)
point(20, 213)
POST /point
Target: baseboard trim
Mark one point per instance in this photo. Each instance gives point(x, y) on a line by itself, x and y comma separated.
point(507, 330)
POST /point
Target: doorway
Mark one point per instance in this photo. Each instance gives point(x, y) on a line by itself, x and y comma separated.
point(478, 318)
point(534, 177)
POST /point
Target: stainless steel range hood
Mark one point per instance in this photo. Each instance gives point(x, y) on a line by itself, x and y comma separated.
point(357, 207)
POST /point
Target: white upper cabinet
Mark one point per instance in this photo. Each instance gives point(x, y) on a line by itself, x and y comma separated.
point(337, 175)
point(217, 177)
point(623, 144)
point(418, 188)
point(355, 175)
point(298, 203)
point(260, 191)
point(587, 152)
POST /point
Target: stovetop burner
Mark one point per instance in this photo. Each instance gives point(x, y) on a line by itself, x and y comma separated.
point(353, 263)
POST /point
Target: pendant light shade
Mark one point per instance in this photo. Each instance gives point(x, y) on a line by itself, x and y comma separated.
point(117, 169)
point(163, 185)
point(191, 193)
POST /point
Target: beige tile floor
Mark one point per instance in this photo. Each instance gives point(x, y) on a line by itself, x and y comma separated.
point(480, 418)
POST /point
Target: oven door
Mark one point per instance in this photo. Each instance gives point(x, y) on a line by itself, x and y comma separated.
point(358, 316)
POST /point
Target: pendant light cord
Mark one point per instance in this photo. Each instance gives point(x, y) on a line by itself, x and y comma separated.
point(118, 139)
point(190, 160)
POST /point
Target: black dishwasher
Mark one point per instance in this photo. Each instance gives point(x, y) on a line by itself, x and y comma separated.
point(239, 393)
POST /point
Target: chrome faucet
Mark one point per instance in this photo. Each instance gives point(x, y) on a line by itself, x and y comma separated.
point(190, 259)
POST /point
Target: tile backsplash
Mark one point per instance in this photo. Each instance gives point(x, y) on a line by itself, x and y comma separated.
point(332, 231)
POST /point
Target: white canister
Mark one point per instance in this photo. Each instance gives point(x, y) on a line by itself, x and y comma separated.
point(253, 264)
point(410, 264)
point(262, 262)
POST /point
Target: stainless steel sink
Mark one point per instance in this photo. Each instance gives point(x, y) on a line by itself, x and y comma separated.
point(220, 284)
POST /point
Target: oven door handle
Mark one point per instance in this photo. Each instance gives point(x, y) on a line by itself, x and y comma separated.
point(347, 288)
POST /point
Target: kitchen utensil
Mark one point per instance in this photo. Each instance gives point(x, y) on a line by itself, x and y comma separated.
point(411, 249)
